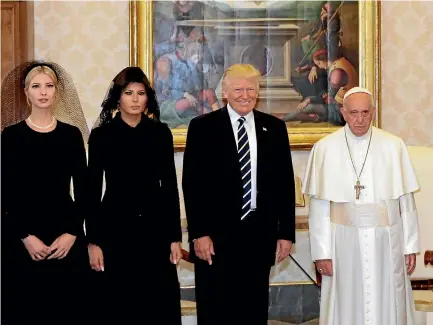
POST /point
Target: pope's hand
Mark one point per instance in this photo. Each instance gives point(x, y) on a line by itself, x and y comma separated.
point(324, 267)
point(410, 260)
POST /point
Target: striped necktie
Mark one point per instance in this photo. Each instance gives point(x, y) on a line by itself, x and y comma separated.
point(245, 165)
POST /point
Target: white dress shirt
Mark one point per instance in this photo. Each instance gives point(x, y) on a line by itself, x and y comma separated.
point(252, 140)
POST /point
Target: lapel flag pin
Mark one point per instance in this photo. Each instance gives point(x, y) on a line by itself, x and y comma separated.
point(265, 129)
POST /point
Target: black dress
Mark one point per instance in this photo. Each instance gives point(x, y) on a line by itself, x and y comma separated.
point(37, 169)
point(136, 222)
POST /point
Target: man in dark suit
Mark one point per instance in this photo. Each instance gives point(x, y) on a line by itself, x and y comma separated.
point(239, 193)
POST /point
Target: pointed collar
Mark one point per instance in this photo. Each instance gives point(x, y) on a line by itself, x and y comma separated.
point(234, 116)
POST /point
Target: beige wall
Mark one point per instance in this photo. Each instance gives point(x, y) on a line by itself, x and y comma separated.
point(407, 70)
point(90, 39)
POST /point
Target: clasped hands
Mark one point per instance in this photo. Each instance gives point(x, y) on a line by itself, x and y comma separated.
point(58, 249)
point(325, 266)
point(204, 249)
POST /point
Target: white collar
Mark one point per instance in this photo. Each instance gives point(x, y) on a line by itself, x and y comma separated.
point(234, 116)
point(353, 137)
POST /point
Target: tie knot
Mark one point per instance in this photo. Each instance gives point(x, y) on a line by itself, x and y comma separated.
point(241, 120)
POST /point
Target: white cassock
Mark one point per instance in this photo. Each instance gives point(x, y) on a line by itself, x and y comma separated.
point(366, 238)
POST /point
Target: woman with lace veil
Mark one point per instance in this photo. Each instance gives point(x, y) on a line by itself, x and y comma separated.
point(134, 232)
point(44, 253)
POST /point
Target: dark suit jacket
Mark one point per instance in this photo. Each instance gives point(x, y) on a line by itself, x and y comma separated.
point(212, 185)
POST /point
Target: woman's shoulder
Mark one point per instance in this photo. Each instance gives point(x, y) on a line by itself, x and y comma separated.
point(161, 128)
point(102, 132)
point(104, 128)
point(156, 123)
point(15, 127)
point(67, 128)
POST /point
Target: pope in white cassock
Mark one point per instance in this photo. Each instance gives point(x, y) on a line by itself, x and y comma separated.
point(363, 220)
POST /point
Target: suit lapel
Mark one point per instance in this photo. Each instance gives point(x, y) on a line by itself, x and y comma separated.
point(260, 129)
point(228, 135)
point(260, 136)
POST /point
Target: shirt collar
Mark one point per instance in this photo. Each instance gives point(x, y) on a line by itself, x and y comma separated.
point(234, 116)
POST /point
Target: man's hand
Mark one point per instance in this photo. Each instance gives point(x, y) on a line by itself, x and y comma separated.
point(283, 249)
point(324, 267)
point(96, 257)
point(37, 249)
point(61, 246)
point(203, 248)
point(176, 252)
point(410, 260)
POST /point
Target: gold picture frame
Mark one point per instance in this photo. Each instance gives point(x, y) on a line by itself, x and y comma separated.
point(301, 138)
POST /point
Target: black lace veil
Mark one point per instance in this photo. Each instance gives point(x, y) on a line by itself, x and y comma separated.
point(112, 97)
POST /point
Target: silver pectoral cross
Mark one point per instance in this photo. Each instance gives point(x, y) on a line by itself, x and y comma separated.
point(358, 187)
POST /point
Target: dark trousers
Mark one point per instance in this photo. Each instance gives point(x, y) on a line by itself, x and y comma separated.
point(236, 286)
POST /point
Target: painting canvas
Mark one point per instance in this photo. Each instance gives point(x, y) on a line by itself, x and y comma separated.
point(309, 53)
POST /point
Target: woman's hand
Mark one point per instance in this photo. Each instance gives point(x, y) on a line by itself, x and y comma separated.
point(61, 246)
point(96, 257)
point(37, 249)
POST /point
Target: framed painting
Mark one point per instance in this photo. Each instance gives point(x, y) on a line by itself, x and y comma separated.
point(309, 54)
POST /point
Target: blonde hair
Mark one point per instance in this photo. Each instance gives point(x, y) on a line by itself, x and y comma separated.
point(241, 71)
point(33, 73)
point(37, 70)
